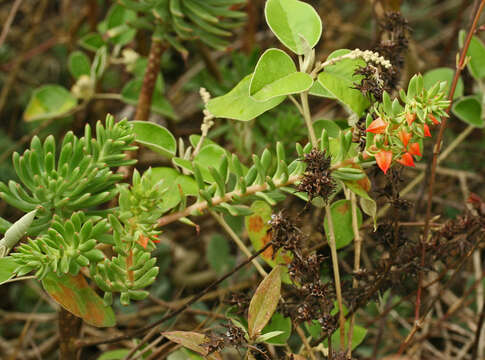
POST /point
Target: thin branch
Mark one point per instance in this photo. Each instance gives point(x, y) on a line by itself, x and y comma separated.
point(8, 22)
point(202, 206)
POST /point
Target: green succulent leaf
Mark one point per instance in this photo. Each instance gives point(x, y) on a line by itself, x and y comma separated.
point(292, 20)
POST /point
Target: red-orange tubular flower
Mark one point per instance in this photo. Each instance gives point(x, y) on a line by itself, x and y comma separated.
point(404, 136)
point(384, 159)
point(414, 149)
point(410, 118)
point(433, 119)
point(406, 160)
point(378, 126)
point(426, 130)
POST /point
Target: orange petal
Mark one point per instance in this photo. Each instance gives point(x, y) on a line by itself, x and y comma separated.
point(404, 136)
point(378, 126)
point(433, 119)
point(406, 160)
point(414, 149)
point(384, 159)
point(426, 130)
point(410, 118)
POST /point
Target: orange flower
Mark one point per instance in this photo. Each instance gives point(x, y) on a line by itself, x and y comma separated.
point(414, 149)
point(405, 137)
point(433, 119)
point(378, 126)
point(410, 118)
point(383, 159)
point(426, 130)
point(406, 160)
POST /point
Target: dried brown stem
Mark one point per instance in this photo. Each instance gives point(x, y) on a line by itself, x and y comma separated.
point(69, 330)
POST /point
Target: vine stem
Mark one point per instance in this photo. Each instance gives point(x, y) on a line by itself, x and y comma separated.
point(357, 250)
point(203, 205)
point(459, 67)
point(87, 342)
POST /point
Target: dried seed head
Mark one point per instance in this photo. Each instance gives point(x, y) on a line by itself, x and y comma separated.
point(317, 180)
point(234, 335)
point(284, 234)
point(213, 343)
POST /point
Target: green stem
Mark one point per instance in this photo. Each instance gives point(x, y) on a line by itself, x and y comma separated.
point(336, 274)
point(308, 118)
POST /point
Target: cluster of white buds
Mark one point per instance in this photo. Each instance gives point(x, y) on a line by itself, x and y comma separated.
point(129, 58)
point(83, 88)
point(208, 121)
point(368, 55)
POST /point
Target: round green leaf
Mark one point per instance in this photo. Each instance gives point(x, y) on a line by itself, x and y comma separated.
point(476, 51)
point(92, 41)
point(443, 74)
point(155, 137)
point(278, 322)
point(469, 110)
point(290, 20)
point(342, 222)
point(49, 101)
point(210, 155)
point(332, 128)
point(119, 32)
point(276, 75)
point(237, 104)
point(339, 79)
point(75, 295)
point(78, 64)
point(318, 90)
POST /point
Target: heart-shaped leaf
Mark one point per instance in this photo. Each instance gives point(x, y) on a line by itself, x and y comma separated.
point(339, 79)
point(74, 294)
point(342, 222)
point(155, 137)
point(290, 20)
point(264, 302)
point(49, 101)
point(237, 104)
point(276, 75)
point(469, 110)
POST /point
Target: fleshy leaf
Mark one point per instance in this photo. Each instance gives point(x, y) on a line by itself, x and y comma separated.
point(49, 101)
point(264, 302)
point(430, 78)
point(290, 20)
point(237, 104)
point(74, 294)
point(155, 137)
